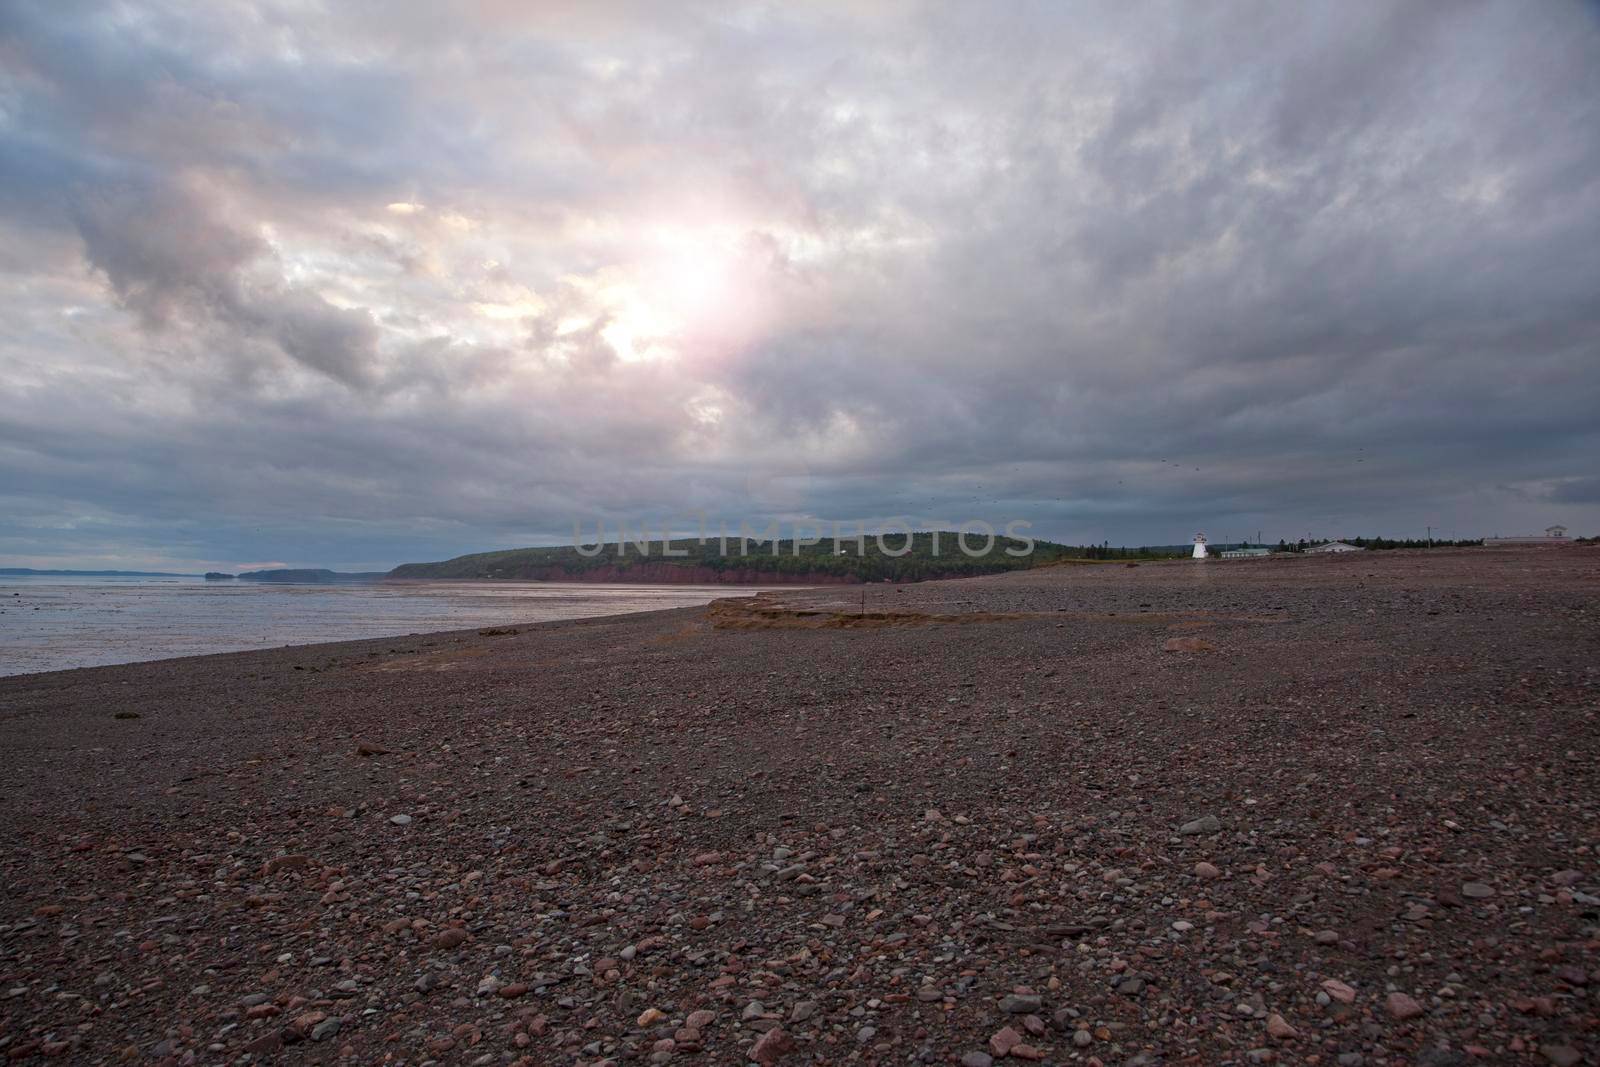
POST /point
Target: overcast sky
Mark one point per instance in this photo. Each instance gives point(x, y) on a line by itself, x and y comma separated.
point(357, 283)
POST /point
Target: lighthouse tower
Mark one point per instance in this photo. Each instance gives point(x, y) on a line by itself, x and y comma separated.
point(1199, 546)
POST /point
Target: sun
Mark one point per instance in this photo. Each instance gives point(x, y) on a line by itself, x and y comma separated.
point(682, 285)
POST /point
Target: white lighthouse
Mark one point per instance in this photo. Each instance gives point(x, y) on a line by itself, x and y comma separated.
point(1199, 546)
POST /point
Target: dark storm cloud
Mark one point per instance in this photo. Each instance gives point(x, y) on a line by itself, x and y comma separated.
point(414, 280)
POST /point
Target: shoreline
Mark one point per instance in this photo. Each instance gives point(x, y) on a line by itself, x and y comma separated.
point(580, 591)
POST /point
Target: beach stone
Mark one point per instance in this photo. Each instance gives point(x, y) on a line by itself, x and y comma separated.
point(699, 1020)
point(265, 1044)
point(1476, 890)
point(1206, 824)
point(1206, 871)
point(977, 1059)
point(771, 1047)
point(449, 938)
point(1004, 1040)
point(1021, 1004)
point(1561, 1055)
point(1402, 1007)
point(1339, 991)
point(1082, 1038)
point(1278, 1027)
point(325, 1029)
point(803, 1010)
point(400, 820)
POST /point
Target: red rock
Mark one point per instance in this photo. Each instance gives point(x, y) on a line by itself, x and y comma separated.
point(1571, 975)
point(699, 1020)
point(772, 1046)
point(284, 863)
point(706, 859)
point(1206, 871)
point(265, 1043)
point(1004, 1040)
point(1402, 1007)
point(513, 990)
point(1339, 991)
point(449, 938)
point(1278, 1027)
point(1026, 1052)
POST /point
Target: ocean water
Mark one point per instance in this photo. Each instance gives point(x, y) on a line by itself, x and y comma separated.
point(50, 623)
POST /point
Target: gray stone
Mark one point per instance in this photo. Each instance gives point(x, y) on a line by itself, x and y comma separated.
point(1561, 1055)
point(1021, 1004)
point(1206, 824)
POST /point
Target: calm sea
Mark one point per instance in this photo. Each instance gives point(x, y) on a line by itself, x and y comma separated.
point(52, 623)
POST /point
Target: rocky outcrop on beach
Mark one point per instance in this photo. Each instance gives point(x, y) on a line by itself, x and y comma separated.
point(967, 822)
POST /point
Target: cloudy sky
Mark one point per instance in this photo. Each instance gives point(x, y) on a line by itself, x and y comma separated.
point(363, 282)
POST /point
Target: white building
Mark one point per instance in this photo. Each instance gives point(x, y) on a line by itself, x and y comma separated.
point(1334, 546)
point(1553, 535)
point(1199, 546)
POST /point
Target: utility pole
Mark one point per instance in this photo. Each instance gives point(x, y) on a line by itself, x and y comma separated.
point(1430, 537)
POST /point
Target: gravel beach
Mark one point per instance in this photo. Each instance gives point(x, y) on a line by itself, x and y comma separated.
point(1339, 810)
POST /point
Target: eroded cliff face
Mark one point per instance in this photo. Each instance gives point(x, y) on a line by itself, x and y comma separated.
point(657, 573)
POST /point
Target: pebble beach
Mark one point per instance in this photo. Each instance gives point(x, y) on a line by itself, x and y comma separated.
point(1337, 810)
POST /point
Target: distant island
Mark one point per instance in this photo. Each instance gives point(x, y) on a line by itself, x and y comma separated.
point(218, 576)
point(18, 572)
point(766, 564)
point(308, 576)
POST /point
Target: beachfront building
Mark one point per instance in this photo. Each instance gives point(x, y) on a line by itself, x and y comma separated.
point(1199, 546)
point(1334, 546)
point(1553, 535)
point(1245, 552)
